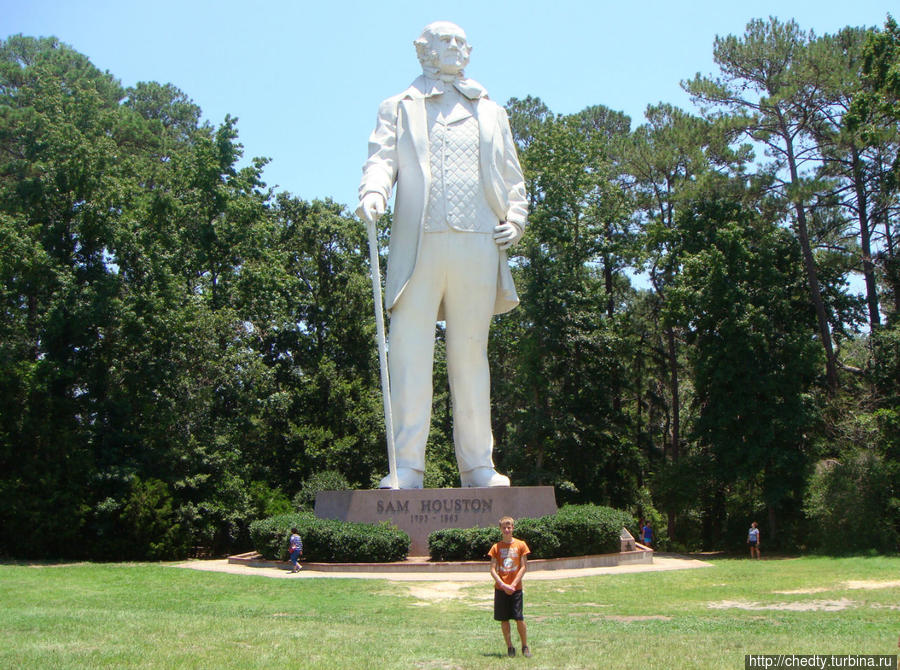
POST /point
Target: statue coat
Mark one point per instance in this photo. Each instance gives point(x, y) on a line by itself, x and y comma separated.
point(398, 155)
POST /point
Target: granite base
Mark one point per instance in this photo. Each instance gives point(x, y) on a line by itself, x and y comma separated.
point(421, 511)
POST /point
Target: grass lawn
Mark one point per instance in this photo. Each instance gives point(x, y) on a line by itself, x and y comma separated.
point(159, 616)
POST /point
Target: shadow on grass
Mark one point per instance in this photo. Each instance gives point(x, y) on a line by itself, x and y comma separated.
point(46, 563)
point(713, 556)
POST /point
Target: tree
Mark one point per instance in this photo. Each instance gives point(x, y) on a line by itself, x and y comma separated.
point(321, 349)
point(875, 110)
point(60, 140)
point(666, 155)
point(557, 351)
point(767, 88)
point(860, 171)
point(133, 233)
point(741, 302)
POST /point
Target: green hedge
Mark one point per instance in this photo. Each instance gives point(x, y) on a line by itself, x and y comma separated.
point(462, 544)
point(329, 541)
point(575, 530)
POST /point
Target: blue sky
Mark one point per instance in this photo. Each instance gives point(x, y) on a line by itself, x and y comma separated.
point(305, 78)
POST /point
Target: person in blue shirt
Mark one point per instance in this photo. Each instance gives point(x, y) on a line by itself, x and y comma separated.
point(753, 540)
point(296, 549)
point(647, 535)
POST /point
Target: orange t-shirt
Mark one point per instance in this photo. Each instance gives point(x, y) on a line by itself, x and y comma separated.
point(509, 559)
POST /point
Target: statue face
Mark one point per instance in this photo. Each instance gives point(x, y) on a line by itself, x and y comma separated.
point(443, 50)
point(450, 47)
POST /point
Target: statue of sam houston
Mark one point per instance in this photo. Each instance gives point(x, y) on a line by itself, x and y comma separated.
point(460, 203)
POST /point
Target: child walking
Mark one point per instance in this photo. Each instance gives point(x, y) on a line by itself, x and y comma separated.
point(508, 565)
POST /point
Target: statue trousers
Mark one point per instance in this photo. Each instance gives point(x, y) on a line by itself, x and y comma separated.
point(459, 269)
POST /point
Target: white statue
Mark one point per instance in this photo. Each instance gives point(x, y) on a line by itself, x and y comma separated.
point(460, 204)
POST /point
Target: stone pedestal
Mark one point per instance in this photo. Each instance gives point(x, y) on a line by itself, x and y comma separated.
point(421, 511)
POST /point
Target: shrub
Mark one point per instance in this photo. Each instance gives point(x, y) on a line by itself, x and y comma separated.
point(590, 529)
point(329, 540)
point(451, 544)
point(267, 501)
point(645, 509)
point(850, 506)
point(575, 530)
point(143, 524)
point(327, 480)
point(462, 544)
point(480, 541)
point(540, 536)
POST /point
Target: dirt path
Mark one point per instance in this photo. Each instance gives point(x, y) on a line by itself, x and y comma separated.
point(659, 563)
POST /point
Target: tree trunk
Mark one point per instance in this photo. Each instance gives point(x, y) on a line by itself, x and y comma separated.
point(812, 280)
point(890, 262)
point(772, 530)
point(608, 286)
point(610, 312)
point(673, 389)
point(865, 242)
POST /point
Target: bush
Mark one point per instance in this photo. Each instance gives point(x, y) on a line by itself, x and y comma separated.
point(590, 529)
point(540, 536)
point(327, 480)
point(462, 544)
point(645, 509)
point(328, 540)
point(448, 544)
point(143, 524)
point(267, 501)
point(850, 506)
point(575, 530)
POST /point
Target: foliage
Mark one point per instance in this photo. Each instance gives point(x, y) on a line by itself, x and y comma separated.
point(182, 349)
point(145, 525)
point(591, 528)
point(198, 345)
point(462, 544)
point(851, 505)
point(752, 361)
point(327, 480)
point(559, 353)
point(771, 95)
point(268, 501)
point(328, 540)
point(880, 93)
point(645, 510)
point(575, 530)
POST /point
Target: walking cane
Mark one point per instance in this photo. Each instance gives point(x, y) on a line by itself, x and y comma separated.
point(382, 351)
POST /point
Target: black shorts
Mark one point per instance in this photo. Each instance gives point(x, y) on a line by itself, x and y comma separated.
point(508, 605)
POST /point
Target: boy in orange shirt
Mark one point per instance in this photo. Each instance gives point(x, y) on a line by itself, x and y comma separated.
point(508, 565)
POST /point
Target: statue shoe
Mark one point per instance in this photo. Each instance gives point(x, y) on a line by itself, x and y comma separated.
point(407, 478)
point(482, 477)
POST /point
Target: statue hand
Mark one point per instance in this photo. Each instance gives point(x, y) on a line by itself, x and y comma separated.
point(507, 234)
point(371, 207)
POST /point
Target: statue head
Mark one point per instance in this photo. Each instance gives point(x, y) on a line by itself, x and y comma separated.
point(443, 50)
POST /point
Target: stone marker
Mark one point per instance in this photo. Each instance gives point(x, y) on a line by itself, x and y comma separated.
point(421, 511)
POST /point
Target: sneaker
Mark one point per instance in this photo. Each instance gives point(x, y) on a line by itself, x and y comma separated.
point(511, 651)
point(526, 652)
